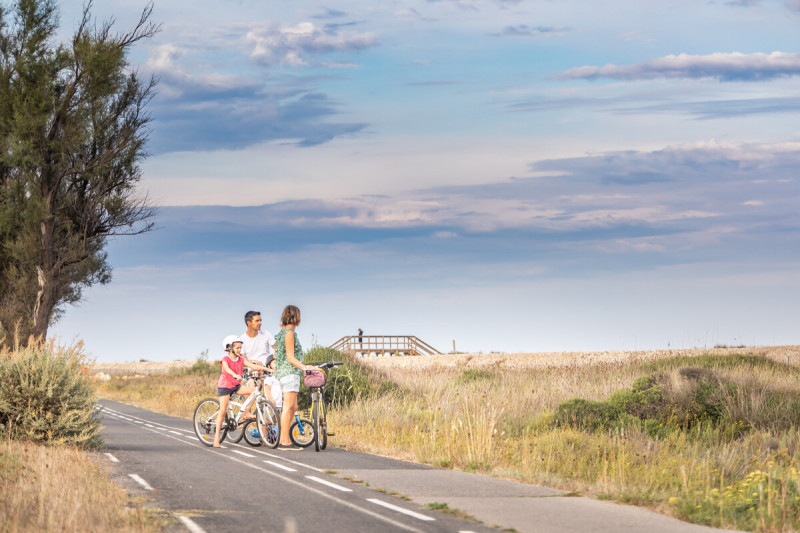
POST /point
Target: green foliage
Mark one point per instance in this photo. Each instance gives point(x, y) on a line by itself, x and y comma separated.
point(45, 397)
point(474, 374)
point(347, 382)
point(72, 134)
point(689, 397)
point(201, 368)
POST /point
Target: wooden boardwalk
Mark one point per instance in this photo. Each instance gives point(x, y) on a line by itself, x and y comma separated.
point(383, 345)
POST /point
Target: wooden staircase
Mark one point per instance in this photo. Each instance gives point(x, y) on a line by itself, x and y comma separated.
point(383, 345)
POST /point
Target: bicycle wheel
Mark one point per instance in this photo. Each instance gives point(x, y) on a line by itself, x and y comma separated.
point(323, 426)
point(269, 424)
point(205, 421)
point(302, 434)
point(316, 416)
point(251, 433)
point(235, 433)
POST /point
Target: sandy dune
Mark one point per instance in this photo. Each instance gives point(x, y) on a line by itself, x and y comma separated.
point(784, 354)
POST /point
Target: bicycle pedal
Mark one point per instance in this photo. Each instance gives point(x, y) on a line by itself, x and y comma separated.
point(331, 434)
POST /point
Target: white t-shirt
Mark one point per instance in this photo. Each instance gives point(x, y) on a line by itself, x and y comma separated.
point(259, 347)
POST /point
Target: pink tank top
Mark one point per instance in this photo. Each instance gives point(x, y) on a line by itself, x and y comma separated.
point(226, 381)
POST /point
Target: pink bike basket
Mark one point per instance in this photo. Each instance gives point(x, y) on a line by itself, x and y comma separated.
point(314, 378)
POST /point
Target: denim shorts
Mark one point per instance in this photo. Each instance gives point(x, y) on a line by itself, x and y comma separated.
point(228, 392)
point(290, 383)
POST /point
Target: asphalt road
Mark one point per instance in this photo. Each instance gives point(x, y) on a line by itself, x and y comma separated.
point(242, 488)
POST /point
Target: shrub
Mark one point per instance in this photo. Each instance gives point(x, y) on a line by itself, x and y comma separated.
point(474, 374)
point(346, 382)
point(45, 397)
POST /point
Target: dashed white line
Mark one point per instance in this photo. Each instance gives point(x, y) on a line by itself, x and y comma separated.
point(242, 453)
point(329, 484)
point(408, 512)
point(176, 432)
point(278, 465)
point(191, 525)
point(138, 422)
point(113, 459)
point(149, 425)
point(140, 481)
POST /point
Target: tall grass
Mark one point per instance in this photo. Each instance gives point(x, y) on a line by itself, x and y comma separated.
point(737, 468)
point(714, 440)
point(61, 489)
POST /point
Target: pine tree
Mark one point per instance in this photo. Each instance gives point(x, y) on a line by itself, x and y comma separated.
point(73, 128)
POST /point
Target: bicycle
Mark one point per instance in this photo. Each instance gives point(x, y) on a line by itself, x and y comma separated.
point(319, 409)
point(301, 432)
point(267, 419)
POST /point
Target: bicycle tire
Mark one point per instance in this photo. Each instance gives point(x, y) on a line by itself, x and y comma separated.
point(252, 434)
point(317, 418)
point(269, 424)
point(205, 421)
point(323, 425)
point(235, 435)
point(302, 435)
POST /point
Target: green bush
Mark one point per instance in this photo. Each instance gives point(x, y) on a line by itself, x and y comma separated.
point(474, 374)
point(46, 397)
point(346, 382)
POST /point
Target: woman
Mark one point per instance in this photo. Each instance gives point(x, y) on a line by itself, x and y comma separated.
point(289, 363)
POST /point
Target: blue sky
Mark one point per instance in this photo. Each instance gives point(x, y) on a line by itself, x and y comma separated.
point(509, 175)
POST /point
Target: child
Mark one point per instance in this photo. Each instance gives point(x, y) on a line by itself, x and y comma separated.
point(272, 387)
point(230, 379)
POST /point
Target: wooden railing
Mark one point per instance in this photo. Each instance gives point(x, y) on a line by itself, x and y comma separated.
point(381, 345)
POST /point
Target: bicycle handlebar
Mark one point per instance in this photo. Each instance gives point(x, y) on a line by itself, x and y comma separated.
point(329, 364)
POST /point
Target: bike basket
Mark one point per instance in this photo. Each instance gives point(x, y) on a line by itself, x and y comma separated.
point(314, 378)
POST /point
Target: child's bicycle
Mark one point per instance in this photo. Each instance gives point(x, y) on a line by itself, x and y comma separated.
point(319, 409)
point(267, 420)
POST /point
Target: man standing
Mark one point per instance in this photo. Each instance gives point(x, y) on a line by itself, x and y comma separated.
point(257, 345)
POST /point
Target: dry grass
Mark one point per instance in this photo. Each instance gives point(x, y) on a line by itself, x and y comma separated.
point(491, 414)
point(60, 489)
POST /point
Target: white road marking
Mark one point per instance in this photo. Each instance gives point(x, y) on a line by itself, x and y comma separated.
point(176, 432)
point(113, 459)
point(329, 484)
point(304, 486)
point(190, 525)
point(408, 512)
point(150, 425)
point(243, 453)
point(278, 465)
point(138, 421)
point(283, 458)
point(140, 481)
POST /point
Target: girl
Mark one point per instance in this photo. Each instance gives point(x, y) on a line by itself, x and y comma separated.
point(230, 379)
point(289, 363)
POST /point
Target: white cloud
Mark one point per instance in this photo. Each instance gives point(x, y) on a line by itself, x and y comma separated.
point(723, 66)
point(292, 44)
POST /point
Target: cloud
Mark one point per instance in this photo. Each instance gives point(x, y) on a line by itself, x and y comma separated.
point(197, 109)
point(722, 66)
point(523, 30)
point(294, 44)
point(712, 109)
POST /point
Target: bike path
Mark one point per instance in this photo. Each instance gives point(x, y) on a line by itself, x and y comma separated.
point(494, 502)
point(159, 460)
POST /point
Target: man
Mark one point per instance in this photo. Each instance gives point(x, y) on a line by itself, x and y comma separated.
point(257, 345)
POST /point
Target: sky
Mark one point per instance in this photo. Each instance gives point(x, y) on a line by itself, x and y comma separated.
point(488, 175)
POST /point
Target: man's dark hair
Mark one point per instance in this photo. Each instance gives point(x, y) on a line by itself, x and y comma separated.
point(248, 316)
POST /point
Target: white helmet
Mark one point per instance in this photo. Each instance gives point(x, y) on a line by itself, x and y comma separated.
point(230, 339)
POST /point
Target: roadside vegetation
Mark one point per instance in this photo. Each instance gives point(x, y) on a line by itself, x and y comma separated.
point(48, 425)
point(711, 439)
